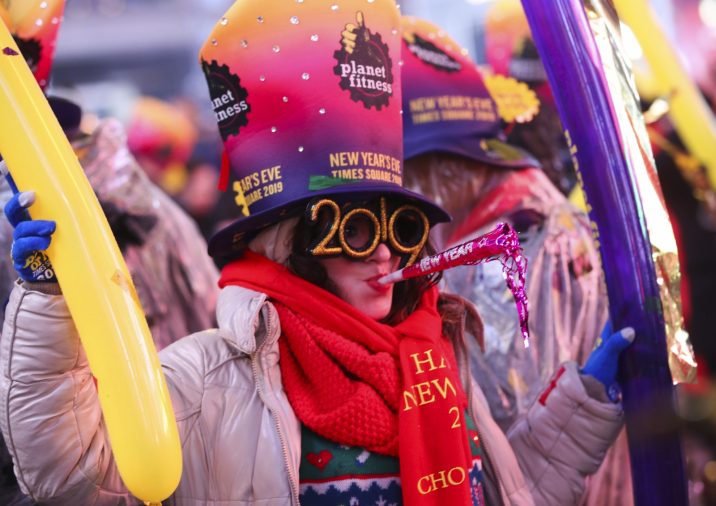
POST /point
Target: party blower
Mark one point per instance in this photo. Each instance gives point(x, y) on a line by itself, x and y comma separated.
point(500, 244)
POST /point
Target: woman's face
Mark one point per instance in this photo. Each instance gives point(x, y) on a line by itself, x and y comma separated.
point(357, 281)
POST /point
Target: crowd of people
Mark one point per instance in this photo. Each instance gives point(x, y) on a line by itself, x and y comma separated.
point(354, 142)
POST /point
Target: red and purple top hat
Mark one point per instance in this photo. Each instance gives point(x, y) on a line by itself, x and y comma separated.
point(307, 98)
point(447, 107)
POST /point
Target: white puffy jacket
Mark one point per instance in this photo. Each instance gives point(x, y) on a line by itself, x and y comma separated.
point(241, 440)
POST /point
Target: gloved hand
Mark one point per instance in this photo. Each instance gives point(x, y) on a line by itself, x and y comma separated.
point(30, 239)
point(603, 361)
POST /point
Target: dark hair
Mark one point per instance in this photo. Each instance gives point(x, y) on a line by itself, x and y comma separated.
point(406, 294)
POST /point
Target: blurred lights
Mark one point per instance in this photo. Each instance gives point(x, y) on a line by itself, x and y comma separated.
point(707, 12)
point(710, 471)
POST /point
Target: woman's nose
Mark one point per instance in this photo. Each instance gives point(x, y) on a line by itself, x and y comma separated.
point(382, 253)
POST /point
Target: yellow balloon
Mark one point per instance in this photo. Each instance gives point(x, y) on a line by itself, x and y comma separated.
point(690, 114)
point(96, 284)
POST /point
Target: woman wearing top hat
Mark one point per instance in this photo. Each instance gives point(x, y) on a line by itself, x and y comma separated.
point(320, 385)
point(460, 160)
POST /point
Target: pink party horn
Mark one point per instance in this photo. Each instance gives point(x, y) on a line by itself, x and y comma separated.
point(500, 244)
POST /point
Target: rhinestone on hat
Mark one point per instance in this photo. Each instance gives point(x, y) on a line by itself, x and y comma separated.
point(276, 48)
point(224, 21)
point(294, 20)
point(314, 37)
point(305, 76)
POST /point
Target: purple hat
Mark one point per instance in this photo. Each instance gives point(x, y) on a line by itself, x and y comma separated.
point(307, 99)
point(447, 107)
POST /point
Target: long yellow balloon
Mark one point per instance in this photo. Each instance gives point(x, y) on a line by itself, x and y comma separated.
point(692, 117)
point(96, 284)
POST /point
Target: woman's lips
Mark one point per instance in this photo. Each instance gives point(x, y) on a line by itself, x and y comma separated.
point(378, 287)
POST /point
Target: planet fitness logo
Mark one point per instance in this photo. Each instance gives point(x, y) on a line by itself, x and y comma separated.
point(228, 98)
point(431, 54)
point(364, 65)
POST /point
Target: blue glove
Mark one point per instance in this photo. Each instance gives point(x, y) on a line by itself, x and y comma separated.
point(30, 239)
point(603, 361)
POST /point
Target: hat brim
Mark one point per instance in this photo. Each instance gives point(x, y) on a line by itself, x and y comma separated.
point(230, 241)
point(504, 155)
point(68, 113)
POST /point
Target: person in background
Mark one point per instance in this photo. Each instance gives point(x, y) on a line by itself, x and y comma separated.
point(165, 254)
point(164, 251)
point(456, 154)
point(199, 197)
point(163, 247)
point(321, 385)
point(511, 52)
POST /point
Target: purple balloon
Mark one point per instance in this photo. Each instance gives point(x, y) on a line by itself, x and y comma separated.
point(566, 44)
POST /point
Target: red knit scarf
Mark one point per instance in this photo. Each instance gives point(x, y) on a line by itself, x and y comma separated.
point(358, 382)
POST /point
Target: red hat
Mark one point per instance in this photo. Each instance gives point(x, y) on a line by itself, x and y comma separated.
point(34, 25)
point(308, 102)
point(447, 106)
